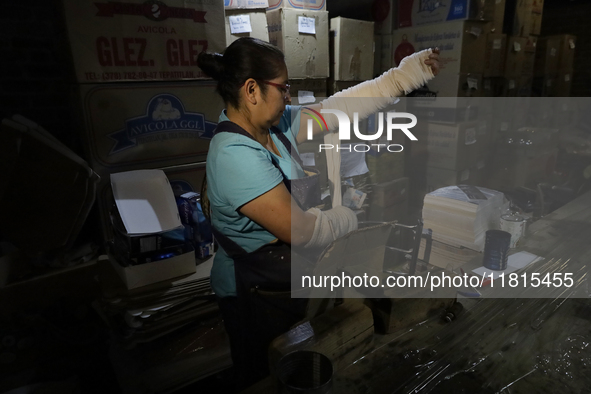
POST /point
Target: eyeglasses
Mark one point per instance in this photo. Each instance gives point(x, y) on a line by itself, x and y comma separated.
point(283, 88)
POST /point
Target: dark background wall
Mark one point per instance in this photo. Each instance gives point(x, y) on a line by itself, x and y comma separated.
point(34, 69)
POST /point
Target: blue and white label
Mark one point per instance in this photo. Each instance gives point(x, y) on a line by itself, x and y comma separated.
point(165, 113)
point(458, 9)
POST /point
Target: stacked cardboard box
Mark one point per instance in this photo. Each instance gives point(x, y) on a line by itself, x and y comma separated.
point(417, 13)
point(302, 33)
point(554, 65)
point(523, 17)
point(314, 5)
point(246, 19)
point(141, 124)
point(522, 24)
point(353, 58)
point(519, 66)
point(454, 152)
point(525, 157)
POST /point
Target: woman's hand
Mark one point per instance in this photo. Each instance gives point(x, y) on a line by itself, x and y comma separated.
point(433, 61)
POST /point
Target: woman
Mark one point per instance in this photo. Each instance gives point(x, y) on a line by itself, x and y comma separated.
point(250, 172)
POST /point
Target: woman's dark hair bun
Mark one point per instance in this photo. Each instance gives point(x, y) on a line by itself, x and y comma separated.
point(212, 64)
point(245, 58)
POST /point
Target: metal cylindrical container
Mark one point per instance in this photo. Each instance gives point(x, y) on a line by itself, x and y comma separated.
point(515, 225)
point(305, 371)
point(496, 249)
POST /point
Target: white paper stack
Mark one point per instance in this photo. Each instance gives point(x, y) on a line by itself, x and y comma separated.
point(460, 215)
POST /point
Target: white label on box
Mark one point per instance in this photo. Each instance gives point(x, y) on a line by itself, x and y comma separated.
point(465, 175)
point(470, 137)
point(552, 51)
point(308, 159)
point(487, 85)
point(504, 126)
point(476, 31)
point(549, 82)
point(306, 25)
point(472, 83)
point(571, 43)
point(497, 43)
point(480, 164)
point(306, 96)
point(567, 78)
point(516, 46)
point(240, 24)
point(511, 84)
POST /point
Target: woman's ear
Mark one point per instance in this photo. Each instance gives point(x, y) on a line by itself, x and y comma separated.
point(250, 90)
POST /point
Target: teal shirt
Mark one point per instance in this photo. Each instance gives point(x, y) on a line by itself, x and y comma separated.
point(239, 170)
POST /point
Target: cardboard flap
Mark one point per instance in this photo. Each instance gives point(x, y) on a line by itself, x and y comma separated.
point(145, 201)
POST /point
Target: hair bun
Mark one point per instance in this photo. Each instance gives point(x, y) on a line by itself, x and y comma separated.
point(212, 64)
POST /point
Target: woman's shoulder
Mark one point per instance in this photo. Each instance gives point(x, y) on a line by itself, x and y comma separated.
point(225, 139)
point(235, 148)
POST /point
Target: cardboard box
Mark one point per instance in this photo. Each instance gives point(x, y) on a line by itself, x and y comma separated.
point(134, 126)
point(496, 47)
point(441, 177)
point(564, 83)
point(307, 91)
point(314, 5)
point(567, 52)
point(389, 193)
point(257, 20)
point(145, 274)
point(538, 6)
point(245, 4)
point(548, 53)
point(519, 59)
point(306, 54)
point(113, 41)
point(493, 87)
point(417, 13)
point(462, 45)
point(519, 171)
point(496, 25)
point(452, 147)
point(529, 56)
point(353, 49)
point(511, 86)
point(146, 204)
point(525, 86)
point(536, 24)
point(182, 179)
point(518, 18)
point(545, 86)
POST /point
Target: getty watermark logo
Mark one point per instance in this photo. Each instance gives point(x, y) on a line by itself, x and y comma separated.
point(345, 129)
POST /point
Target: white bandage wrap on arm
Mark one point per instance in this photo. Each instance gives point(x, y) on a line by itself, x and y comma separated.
point(371, 96)
point(331, 225)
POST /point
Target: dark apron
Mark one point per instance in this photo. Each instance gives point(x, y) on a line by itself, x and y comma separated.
point(263, 277)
